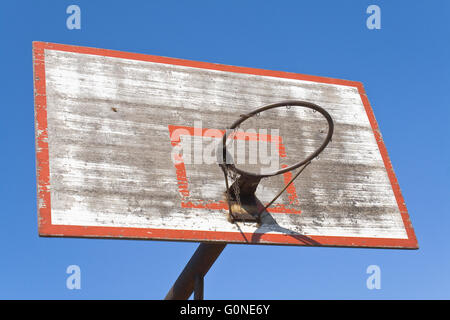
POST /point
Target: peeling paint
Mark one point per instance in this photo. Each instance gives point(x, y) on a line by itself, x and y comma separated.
point(110, 174)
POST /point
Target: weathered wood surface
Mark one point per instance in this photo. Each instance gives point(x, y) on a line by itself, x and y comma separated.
point(110, 151)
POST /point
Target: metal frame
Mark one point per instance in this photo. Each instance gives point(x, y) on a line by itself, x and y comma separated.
point(247, 183)
point(287, 103)
point(191, 279)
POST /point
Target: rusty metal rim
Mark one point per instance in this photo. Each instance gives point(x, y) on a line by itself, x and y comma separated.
point(290, 103)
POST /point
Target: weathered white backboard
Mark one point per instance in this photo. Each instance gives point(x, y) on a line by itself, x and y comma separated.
point(108, 122)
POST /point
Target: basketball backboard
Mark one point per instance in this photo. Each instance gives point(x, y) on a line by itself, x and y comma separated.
point(125, 149)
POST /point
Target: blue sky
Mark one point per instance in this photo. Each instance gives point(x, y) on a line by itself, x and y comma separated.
point(406, 73)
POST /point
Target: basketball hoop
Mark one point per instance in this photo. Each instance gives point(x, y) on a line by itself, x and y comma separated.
point(242, 202)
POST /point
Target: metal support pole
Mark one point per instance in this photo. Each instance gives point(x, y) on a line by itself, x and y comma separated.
point(194, 272)
point(198, 287)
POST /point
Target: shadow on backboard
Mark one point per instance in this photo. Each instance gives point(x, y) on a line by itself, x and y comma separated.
point(269, 224)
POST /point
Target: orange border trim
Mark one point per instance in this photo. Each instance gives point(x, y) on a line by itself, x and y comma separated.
point(46, 228)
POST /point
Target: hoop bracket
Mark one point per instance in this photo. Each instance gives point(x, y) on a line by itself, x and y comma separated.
point(243, 207)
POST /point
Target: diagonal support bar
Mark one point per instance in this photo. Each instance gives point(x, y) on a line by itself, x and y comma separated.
point(195, 270)
point(199, 287)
